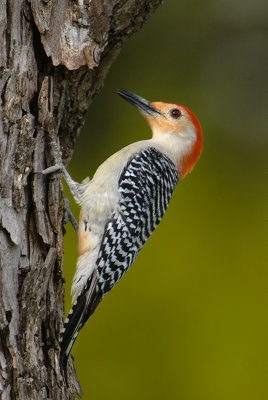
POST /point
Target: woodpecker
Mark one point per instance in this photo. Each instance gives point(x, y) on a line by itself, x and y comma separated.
point(123, 204)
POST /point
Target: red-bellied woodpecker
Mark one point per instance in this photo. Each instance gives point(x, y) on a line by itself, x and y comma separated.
point(123, 204)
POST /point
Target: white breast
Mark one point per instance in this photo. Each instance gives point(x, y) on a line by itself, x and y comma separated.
point(99, 201)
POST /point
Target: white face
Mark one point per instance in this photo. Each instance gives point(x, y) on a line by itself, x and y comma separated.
point(165, 118)
point(173, 122)
point(175, 129)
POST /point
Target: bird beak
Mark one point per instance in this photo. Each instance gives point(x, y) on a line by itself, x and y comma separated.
point(137, 101)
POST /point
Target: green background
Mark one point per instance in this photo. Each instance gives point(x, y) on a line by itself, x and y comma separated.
point(189, 320)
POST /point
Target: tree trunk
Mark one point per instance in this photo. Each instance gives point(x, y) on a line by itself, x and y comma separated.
point(54, 55)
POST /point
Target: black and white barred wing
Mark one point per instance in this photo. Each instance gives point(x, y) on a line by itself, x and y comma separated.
point(146, 185)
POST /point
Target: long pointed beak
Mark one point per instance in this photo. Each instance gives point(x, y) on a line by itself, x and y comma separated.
point(139, 102)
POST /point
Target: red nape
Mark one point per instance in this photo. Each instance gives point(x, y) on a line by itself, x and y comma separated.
point(190, 160)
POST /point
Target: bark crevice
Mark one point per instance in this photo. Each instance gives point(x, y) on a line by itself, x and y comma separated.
point(54, 56)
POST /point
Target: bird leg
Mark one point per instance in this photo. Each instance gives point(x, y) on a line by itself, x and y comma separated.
point(68, 215)
point(76, 188)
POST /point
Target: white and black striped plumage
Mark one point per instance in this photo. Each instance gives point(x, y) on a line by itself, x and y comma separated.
point(124, 202)
point(145, 186)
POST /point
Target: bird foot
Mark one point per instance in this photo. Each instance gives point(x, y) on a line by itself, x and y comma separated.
point(76, 188)
point(68, 215)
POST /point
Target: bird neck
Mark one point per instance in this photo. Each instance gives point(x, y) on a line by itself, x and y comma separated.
point(183, 150)
point(187, 161)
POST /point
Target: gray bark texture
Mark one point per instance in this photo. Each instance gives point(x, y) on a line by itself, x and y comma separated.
point(54, 55)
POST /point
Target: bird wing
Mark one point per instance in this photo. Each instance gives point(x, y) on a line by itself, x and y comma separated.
point(145, 185)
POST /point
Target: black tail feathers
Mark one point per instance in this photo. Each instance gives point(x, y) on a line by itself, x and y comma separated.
point(85, 305)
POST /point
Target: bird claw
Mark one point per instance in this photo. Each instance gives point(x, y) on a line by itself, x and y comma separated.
point(51, 170)
point(76, 188)
point(68, 215)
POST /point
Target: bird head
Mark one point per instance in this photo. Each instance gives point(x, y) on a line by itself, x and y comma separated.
point(174, 125)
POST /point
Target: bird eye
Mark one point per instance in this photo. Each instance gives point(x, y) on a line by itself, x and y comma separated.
point(175, 113)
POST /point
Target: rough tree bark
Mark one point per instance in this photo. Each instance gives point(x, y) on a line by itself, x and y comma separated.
point(54, 55)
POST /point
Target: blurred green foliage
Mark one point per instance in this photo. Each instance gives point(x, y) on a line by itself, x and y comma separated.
point(189, 320)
